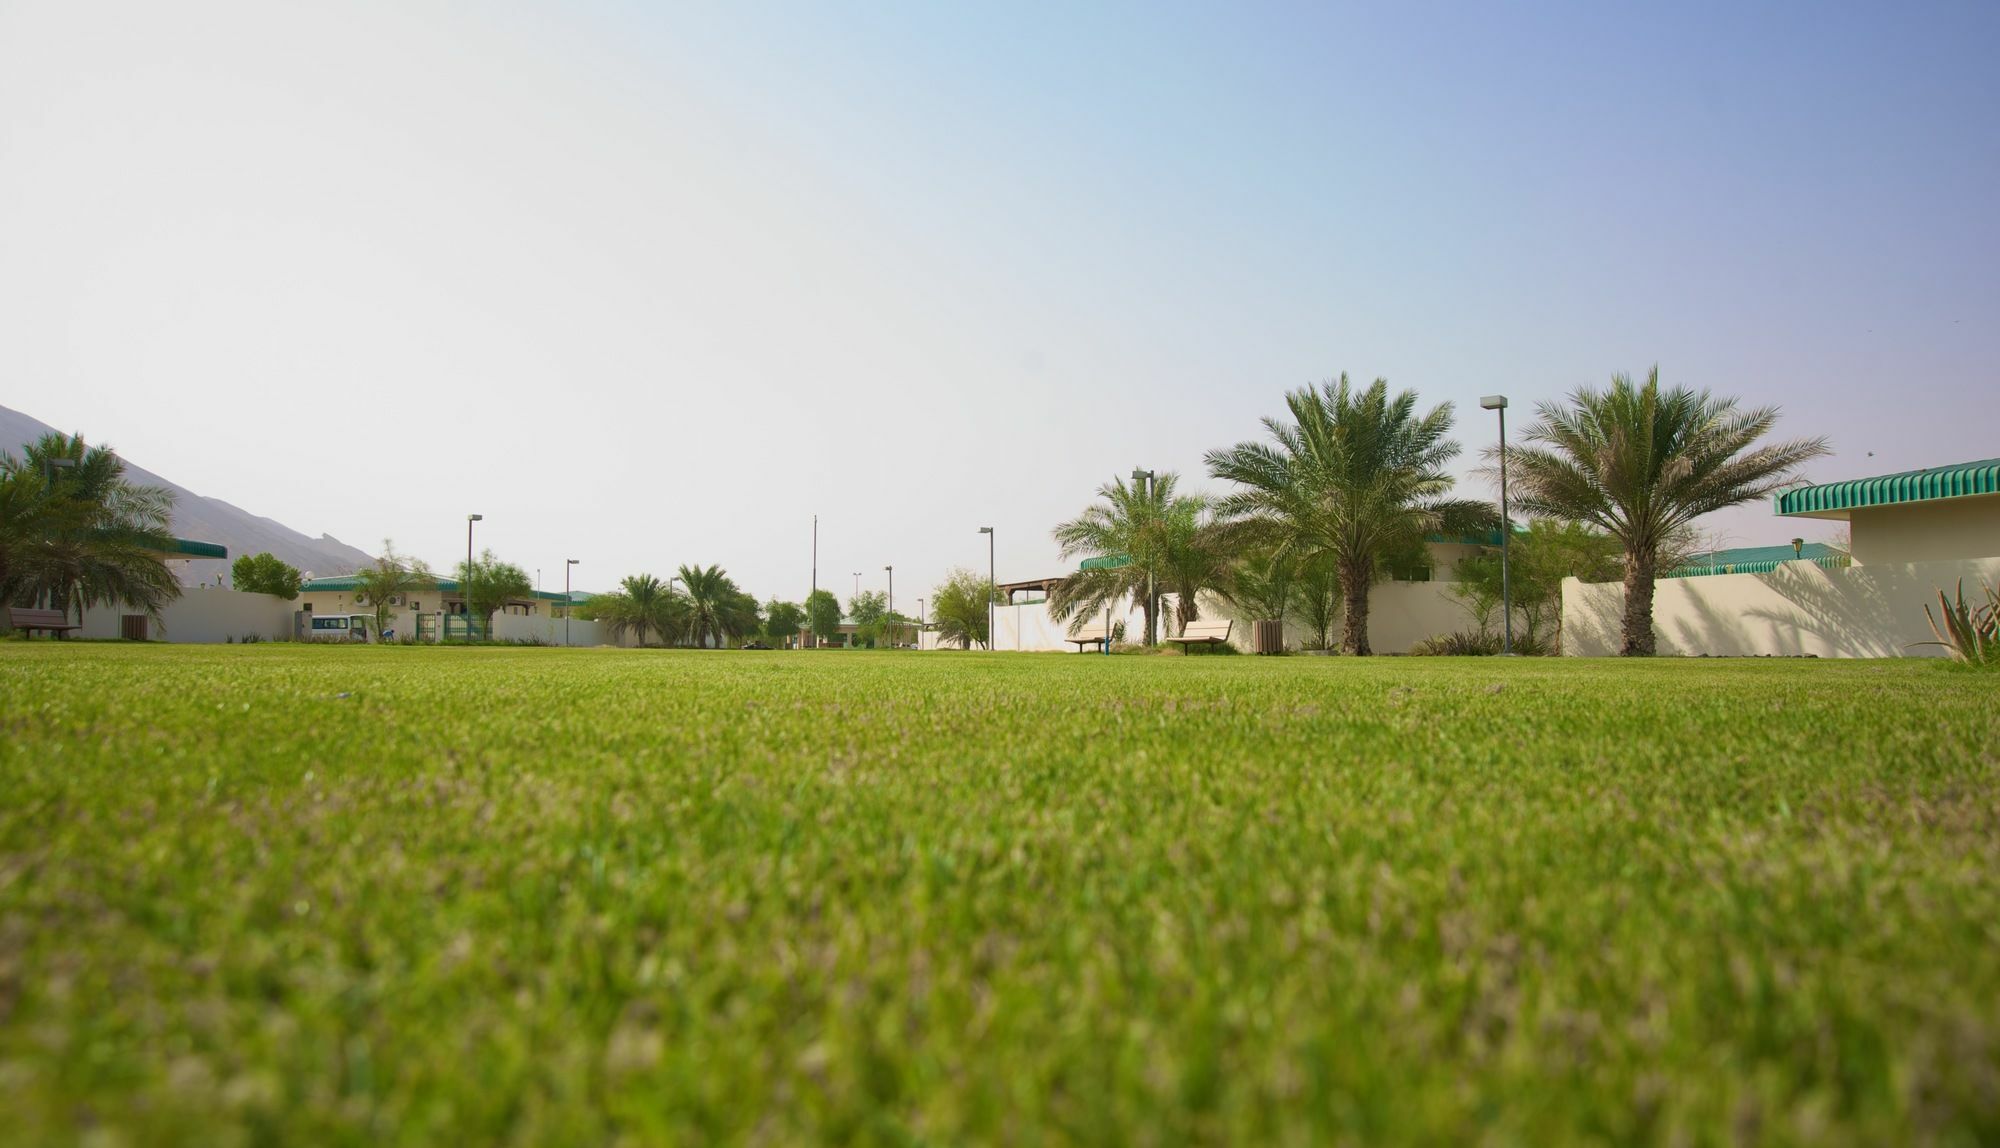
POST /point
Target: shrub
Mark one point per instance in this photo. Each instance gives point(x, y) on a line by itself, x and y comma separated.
point(1463, 644)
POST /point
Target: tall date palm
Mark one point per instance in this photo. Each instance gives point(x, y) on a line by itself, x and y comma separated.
point(80, 534)
point(1149, 536)
point(1642, 465)
point(1354, 476)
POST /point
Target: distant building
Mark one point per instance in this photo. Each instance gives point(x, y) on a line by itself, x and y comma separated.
point(342, 595)
point(1939, 514)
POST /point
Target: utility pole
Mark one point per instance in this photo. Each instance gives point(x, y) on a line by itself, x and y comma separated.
point(992, 586)
point(1498, 403)
point(569, 604)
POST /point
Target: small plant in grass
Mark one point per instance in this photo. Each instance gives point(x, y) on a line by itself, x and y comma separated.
point(1971, 633)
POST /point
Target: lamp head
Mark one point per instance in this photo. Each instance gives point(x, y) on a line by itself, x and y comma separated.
point(986, 530)
point(1494, 402)
point(475, 518)
point(63, 463)
point(572, 561)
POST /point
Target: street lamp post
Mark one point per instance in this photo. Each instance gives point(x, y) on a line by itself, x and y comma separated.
point(49, 468)
point(891, 571)
point(465, 584)
point(1145, 481)
point(569, 603)
point(1498, 403)
point(992, 584)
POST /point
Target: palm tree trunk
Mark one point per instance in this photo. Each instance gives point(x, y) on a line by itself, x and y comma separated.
point(1354, 579)
point(1638, 635)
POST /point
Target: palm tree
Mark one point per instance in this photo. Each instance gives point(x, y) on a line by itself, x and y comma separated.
point(92, 536)
point(1642, 466)
point(641, 605)
point(1356, 477)
point(1142, 536)
point(717, 610)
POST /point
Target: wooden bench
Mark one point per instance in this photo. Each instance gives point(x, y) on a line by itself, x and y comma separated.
point(1095, 635)
point(1202, 634)
point(48, 621)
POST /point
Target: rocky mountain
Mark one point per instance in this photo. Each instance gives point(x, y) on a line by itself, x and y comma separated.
point(211, 519)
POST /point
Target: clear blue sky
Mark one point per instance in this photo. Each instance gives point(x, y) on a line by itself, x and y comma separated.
point(653, 284)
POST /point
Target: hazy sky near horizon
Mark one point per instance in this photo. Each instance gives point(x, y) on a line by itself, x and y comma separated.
point(653, 284)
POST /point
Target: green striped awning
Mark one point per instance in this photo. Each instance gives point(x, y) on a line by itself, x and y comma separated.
point(1835, 499)
point(188, 548)
point(1106, 562)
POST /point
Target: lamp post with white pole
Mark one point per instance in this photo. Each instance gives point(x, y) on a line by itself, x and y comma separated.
point(1498, 403)
point(569, 603)
point(891, 572)
point(991, 584)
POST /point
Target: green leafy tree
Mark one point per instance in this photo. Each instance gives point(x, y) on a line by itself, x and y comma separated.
point(783, 620)
point(1262, 586)
point(959, 608)
point(1316, 590)
point(823, 616)
point(1165, 540)
point(1642, 465)
point(1539, 558)
point(869, 611)
point(393, 575)
point(490, 584)
point(265, 573)
point(1355, 476)
point(78, 533)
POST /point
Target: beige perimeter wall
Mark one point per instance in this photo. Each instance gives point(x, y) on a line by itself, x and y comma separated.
point(199, 615)
point(1873, 611)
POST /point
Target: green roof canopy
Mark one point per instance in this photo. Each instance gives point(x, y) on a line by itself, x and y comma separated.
point(188, 548)
point(1757, 560)
point(1835, 499)
point(352, 582)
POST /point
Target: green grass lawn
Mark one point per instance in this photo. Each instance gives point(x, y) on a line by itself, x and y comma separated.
point(367, 895)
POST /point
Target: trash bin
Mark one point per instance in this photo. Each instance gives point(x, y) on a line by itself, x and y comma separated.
point(1267, 636)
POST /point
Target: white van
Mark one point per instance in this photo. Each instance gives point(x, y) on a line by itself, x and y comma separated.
point(341, 628)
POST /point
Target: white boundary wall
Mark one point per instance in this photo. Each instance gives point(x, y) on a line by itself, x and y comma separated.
point(1874, 611)
point(201, 616)
point(516, 628)
point(1400, 614)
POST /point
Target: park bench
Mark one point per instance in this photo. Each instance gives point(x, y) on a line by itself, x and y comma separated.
point(1093, 635)
point(1202, 634)
point(48, 621)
